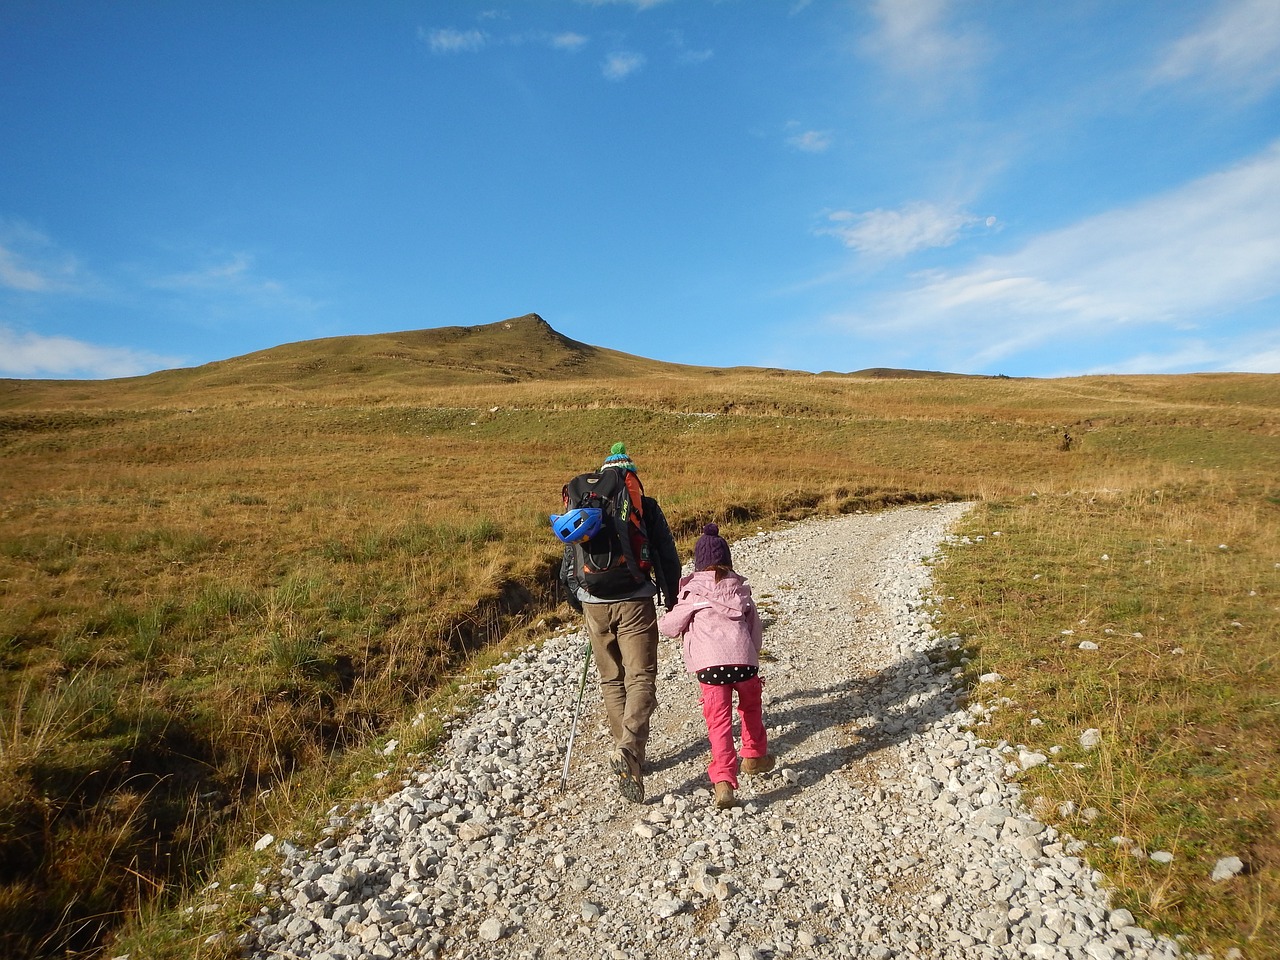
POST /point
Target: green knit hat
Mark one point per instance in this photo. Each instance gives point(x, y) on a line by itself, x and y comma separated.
point(618, 458)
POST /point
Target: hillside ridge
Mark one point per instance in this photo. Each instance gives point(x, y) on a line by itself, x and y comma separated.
point(515, 350)
point(518, 350)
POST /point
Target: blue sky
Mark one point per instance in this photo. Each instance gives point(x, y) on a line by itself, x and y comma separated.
point(1000, 187)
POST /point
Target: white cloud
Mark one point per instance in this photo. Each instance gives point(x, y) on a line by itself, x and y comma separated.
point(568, 41)
point(34, 355)
point(638, 4)
point(1209, 248)
point(1237, 46)
point(811, 141)
point(619, 66)
point(913, 38)
point(448, 40)
point(896, 233)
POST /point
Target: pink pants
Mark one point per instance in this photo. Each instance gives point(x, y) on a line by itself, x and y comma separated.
point(717, 710)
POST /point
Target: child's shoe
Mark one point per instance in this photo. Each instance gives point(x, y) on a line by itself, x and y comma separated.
point(758, 764)
point(724, 795)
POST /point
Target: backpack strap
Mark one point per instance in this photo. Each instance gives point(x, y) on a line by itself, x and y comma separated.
point(630, 514)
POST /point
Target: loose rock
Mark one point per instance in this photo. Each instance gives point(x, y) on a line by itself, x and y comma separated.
point(1226, 868)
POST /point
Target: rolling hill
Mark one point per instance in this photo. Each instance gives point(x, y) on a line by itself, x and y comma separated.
point(519, 349)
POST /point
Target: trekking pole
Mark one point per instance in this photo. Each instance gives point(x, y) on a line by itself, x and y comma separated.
point(568, 751)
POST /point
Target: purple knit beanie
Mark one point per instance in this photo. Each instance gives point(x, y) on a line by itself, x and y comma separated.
point(711, 550)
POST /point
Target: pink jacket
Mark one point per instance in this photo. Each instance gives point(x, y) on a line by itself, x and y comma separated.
point(719, 621)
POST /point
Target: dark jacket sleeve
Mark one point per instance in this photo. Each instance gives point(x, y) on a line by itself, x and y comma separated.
point(662, 551)
point(569, 578)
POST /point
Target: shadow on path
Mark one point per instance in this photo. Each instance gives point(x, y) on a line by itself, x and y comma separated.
point(873, 711)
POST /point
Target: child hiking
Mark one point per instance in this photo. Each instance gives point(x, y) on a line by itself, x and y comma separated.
point(717, 617)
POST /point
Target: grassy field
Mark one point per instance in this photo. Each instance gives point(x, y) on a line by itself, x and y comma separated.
point(222, 586)
point(1149, 616)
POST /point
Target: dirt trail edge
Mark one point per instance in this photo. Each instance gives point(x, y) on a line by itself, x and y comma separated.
point(888, 828)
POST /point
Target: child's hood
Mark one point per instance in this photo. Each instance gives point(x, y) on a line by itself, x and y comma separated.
point(730, 596)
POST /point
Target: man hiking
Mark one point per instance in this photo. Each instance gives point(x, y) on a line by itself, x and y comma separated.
point(619, 555)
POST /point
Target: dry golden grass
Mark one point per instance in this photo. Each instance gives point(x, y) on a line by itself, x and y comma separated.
point(223, 579)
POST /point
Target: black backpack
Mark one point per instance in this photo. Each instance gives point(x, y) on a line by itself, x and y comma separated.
point(615, 562)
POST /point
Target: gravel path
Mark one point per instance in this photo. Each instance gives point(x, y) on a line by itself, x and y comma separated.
point(887, 830)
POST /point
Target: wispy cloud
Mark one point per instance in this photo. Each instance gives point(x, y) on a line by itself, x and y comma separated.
point(31, 263)
point(448, 40)
point(568, 41)
point(809, 141)
point(1208, 248)
point(1243, 354)
point(234, 272)
point(897, 233)
point(638, 4)
point(620, 65)
point(915, 39)
point(1253, 357)
point(18, 274)
point(686, 53)
point(42, 286)
point(35, 355)
point(1237, 46)
point(233, 275)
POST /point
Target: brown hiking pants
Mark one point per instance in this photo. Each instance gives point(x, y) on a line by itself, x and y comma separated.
point(624, 641)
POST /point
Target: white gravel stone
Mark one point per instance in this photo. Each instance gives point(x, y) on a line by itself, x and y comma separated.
point(1226, 868)
point(1028, 759)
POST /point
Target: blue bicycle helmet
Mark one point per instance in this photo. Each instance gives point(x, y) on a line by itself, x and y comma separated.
point(580, 523)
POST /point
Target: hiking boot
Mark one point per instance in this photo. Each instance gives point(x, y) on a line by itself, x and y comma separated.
point(758, 764)
point(724, 795)
point(630, 782)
